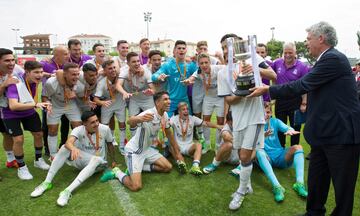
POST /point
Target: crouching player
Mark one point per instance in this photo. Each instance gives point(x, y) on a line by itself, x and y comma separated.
point(85, 149)
point(139, 154)
point(183, 125)
point(275, 155)
point(225, 153)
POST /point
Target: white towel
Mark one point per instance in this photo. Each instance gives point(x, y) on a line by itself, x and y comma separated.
point(24, 94)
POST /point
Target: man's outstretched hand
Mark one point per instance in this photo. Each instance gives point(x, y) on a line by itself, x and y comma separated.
point(258, 91)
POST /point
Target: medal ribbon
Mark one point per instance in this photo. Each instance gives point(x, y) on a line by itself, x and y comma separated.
point(163, 125)
point(208, 83)
point(97, 64)
point(29, 89)
point(96, 145)
point(184, 130)
point(86, 91)
point(178, 67)
point(111, 93)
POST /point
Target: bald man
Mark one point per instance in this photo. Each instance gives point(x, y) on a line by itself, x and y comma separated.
point(289, 68)
point(50, 66)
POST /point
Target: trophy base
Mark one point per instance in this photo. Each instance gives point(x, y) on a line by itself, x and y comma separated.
point(241, 92)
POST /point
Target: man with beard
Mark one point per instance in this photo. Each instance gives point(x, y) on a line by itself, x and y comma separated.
point(76, 55)
point(63, 99)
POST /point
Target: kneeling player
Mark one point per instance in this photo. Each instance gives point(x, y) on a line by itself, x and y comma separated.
point(85, 149)
point(183, 125)
point(139, 154)
point(275, 155)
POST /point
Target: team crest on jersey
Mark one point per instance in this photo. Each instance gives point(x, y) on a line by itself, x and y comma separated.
point(295, 72)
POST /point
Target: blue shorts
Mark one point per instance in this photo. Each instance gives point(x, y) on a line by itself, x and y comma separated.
point(279, 161)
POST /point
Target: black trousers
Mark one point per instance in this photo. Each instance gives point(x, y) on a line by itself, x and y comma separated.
point(64, 129)
point(340, 164)
point(45, 132)
point(283, 116)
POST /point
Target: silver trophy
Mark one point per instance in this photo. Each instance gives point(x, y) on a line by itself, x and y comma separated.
point(243, 81)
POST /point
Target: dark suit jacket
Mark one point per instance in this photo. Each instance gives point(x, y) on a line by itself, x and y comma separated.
point(333, 108)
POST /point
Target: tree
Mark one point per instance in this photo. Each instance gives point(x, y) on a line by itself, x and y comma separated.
point(163, 54)
point(274, 48)
point(114, 53)
point(90, 52)
point(302, 52)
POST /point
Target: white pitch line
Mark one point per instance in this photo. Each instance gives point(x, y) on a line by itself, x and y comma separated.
point(124, 199)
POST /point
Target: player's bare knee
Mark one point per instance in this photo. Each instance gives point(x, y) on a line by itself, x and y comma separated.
point(52, 132)
point(170, 167)
point(297, 147)
point(75, 124)
point(18, 140)
point(244, 158)
point(122, 125)
point(167, 167)
point(227, 146)
point(198, 146)
point(37, 135)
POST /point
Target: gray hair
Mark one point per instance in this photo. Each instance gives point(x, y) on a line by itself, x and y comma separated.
point(325, 29)
point(290, 45)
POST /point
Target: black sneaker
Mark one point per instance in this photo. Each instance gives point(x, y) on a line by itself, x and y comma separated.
point(166, 152)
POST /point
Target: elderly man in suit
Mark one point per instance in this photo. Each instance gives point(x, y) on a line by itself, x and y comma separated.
point(332, 124)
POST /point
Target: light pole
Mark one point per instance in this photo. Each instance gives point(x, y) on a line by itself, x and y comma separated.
point(147, 19)
point(16, 35)
point(272, 32)
point(55, 40)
